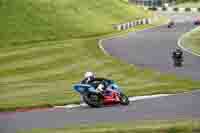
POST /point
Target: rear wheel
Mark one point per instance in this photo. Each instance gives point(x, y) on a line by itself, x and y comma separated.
point(93, 99)
point(178, 62)
point(124, 99)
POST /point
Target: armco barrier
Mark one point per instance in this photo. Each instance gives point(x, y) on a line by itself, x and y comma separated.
point(173, 9)
point(128, 25)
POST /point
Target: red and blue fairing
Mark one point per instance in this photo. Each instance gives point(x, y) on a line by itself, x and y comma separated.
point(110, 95)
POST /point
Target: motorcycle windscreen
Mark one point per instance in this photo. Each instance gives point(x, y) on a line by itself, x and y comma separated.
point(81, 88)
point(115, 87)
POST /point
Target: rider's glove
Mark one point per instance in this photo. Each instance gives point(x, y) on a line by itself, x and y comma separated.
point(100, 87)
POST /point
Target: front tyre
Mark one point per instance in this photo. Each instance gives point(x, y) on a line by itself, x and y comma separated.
point(93, 99)
point(124, 99)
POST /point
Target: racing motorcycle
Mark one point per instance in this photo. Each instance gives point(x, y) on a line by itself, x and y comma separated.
point(171, 24)
point(94, 98)
point(178, 60)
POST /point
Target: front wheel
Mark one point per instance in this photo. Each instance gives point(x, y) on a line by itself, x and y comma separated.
point(93, 99)
point(124, 99)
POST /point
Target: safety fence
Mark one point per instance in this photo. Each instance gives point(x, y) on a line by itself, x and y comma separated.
point(128, 25)
point(174, 9)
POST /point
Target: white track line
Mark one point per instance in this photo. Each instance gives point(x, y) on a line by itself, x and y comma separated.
point(136, 98)
point(102, 48)
point(187, 49)
point(147, 97)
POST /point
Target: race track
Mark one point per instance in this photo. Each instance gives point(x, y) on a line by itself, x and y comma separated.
point(152, 48)
point(149, 48)
point(182, 106)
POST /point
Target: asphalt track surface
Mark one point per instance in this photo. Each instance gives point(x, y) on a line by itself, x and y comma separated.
point(182, 106)
point(150, 48)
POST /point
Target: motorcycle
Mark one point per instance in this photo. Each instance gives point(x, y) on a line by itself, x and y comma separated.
point(178, 61)
point(197, 21)
point(170, 24)
point(112, 95)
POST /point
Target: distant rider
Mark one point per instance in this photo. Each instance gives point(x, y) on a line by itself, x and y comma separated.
point(89, 78)
point(170, 24)
point(177, 53)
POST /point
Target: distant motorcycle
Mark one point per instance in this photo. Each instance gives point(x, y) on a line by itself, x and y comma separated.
point(178, 62)
point(171, 24)
point(178, 59)
point(197, 21)
point(94, 98)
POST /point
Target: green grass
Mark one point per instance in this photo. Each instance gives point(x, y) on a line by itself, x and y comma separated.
point(192, 41)
point(187, 1)
point(45, 72)
point(189, 4)
point(47, 45)
point(29, 21)
point(184, 126)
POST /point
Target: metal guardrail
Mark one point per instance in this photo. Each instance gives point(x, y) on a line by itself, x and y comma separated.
point(173, 9)
point(128, 25)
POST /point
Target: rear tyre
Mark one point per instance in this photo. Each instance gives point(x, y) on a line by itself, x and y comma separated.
point(178, 62)
point(93, 99)
point(124, 99)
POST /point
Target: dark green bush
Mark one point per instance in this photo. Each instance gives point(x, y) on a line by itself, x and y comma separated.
point(176, 9)
point(187, 9)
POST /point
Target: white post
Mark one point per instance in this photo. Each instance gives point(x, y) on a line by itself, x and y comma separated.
point(181, 9)
point(128, 25)
point(131, 24)
point(194, 9)
point(139, 22)
point(159, 8)
point(118, 27)
point(124, 26)
point(144, 21)
point(170, 9)
point(121, 27)
point(150, 21)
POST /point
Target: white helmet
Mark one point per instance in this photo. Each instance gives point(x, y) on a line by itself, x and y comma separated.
point(89, 74)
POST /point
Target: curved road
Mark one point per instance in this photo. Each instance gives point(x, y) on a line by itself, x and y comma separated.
point(150, 48)
point(182, 106)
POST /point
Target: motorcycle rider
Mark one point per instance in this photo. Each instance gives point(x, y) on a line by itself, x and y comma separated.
point(171, 23)
point(177, 56)
point(177, 53)
point(89, 77)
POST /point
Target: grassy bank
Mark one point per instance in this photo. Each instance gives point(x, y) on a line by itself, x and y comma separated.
point(189, 4)
point(45, 72)
point(29, 21)
point(192, 41)
point(47, 45)
point(187, 1)
point(131, 127)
